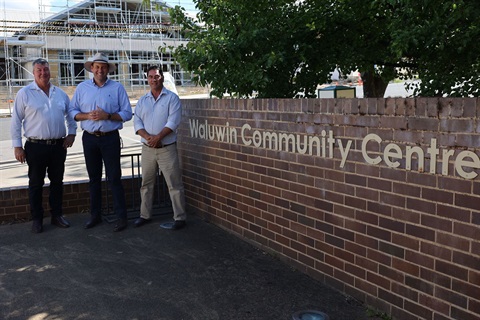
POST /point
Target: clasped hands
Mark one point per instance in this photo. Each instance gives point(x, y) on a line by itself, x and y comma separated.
point(98, 114)
point(153, 141)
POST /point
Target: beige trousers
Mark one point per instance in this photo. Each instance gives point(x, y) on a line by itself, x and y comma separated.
point(165, 160)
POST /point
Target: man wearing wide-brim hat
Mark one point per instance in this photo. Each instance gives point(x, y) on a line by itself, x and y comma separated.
point(102, 105)
point(102, 58)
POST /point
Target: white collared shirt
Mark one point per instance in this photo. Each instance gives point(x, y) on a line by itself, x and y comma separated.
point(42, 117)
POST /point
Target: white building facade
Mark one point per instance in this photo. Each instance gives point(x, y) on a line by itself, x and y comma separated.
point(133, 33)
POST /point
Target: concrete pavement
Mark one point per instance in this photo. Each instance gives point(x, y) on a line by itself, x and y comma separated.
point(199, 272)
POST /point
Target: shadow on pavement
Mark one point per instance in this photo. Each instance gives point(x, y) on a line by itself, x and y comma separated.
point(199, 272)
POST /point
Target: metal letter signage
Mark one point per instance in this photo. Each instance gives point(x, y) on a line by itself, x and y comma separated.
point(373, 149)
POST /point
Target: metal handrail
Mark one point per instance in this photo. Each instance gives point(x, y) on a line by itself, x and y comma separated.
point(162, 203)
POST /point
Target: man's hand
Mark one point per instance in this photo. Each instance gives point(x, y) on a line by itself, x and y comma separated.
point(69, 140)
point(20, 154)
point(153, 141)
point(98, 114)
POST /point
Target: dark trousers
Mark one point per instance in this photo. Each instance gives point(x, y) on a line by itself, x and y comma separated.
point(44, 160)
point(98, 151)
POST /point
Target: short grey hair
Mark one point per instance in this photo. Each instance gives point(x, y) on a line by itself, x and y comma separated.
point(40, 61)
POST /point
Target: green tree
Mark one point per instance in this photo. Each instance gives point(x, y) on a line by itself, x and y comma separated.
point(240, 47)
point(440, 40)
point(281, 47)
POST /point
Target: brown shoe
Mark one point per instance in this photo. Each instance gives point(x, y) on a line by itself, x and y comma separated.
point(60, 222)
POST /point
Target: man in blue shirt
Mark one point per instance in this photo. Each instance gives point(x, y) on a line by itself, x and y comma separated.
point(102, 105)
point(42, 109)
point(157, 117)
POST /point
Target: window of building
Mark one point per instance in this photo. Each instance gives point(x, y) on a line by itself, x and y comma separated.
point(71, 68)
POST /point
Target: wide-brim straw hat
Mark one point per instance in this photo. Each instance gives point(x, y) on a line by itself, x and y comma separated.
point(102, 58)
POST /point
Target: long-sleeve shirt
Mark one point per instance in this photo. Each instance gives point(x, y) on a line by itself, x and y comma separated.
point(42, 117)
point(111, 97)
point(153, 115)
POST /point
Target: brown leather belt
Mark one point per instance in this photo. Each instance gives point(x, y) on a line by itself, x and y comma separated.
point(162, 146)
point(46, 141)
point(101, 133)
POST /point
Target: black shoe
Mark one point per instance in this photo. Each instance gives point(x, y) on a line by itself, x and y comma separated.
point(141, 221)
point(60, 222)
point(92, 222)
point(37, 226)
point(120, 225)
point(178, 224)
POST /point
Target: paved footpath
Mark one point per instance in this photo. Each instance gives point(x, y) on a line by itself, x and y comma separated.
point(200, 272)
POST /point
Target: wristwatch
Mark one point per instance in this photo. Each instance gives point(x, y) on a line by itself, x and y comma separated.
point(109, 116)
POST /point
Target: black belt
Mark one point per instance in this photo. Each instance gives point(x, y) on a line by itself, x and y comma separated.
point(162, 146)
point(101, 133)
point(46, 141)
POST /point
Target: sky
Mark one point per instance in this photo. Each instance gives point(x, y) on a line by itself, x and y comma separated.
point(29, 9)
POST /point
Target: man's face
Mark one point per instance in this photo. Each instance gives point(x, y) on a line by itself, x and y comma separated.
point(155, 80)
point(100, 71)
point(41, 73)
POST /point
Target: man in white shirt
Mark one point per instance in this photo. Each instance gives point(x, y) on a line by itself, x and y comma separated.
point(157, 116)
point(42, 110)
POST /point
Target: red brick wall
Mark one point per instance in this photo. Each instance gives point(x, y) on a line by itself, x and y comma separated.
point(14, 204)
point(405, 241)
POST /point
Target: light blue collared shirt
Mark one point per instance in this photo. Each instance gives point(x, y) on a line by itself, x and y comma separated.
point(153, 115)
point(42, 117)
point(111, 97)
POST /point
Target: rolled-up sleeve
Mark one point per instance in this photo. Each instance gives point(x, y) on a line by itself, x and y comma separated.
point(175, 113)
point(137, 118)
point(125, 106)
point(71, 123)
point(74, 106)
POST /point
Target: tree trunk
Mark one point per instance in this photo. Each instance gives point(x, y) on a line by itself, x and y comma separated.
point(373, 85)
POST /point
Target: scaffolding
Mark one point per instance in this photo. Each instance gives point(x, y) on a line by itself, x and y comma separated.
point(133, 33)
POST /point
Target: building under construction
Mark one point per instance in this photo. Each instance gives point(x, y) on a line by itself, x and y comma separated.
point(133, 33)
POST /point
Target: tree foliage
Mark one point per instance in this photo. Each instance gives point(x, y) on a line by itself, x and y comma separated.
point(439, 38)
point(240, 47)
point(280, 47)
